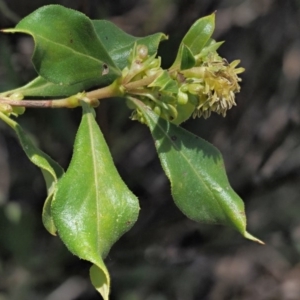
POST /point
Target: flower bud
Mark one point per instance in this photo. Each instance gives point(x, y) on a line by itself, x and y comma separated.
point(157, 110)
point(5, 108)
point(16, 96)
point(172, 112)
point(18, 110)
point(195, 72)
point(195, 88)
point(182, 98)
point(142, 51)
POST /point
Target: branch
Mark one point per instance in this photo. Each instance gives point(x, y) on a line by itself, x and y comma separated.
point(91, 97)
point(116, 89)
point(27, 103)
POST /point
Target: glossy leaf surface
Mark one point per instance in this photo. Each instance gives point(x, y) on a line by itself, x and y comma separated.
point(195, 39)
point(51, 170)
point(67, 48)
point(195, 168)
point(199, 33)
point(119, 44)
point(115, 41)
point(93, 207)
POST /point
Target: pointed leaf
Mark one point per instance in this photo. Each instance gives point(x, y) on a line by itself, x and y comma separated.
point(196, 38)
point(67, 49)
point(99, 277)
point(47, 214)
point(211, 46)
point(199, 33)
point(116, 42)
point(195, 168)
point(93, 207)
point(51, 170)
point(119, 44)
point(187, 58)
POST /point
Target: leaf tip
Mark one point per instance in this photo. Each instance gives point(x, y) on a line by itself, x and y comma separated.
point(249, 236)
point(164, 37)
point(12, 30)
point(100, 280)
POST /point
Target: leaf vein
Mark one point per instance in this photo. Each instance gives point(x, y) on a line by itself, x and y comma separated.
point(190, 165)
point(95, 177)
point(69, 48)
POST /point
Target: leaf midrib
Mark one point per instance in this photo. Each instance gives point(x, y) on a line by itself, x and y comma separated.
point(196, 41)
point(190, 165)
point(69, 48)
point(90, 120)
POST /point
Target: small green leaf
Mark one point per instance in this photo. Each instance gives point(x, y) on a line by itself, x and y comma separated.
point(196, 38)
point(47, 215)
point(187, 58)
point(119, 44)
point(99, 280)
point(199, 33)
point(195, 168)
point(184, 112)
point(93, 207)
point(51, 170)
point(165, 83)
point(211, 46)
point(67, 49)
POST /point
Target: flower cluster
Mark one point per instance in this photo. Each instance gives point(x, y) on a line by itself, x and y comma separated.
point(140, 65)
point(215, 83)
point(208, 86)
point(144, 79)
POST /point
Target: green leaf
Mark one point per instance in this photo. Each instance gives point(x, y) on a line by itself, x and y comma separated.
point(165, 83)
point(184, 112)
point(195, 168)
point(116, 42)
point(119, 44)
point(99, 275)
point(187, 58)
point(199, 33)
point(67, 49)
point(93, 207)
point(196, 38)
point(51, 170)
point(40, 87)
point(47, 214)
point(211, 46)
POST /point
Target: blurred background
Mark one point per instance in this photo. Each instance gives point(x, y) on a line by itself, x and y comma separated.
point(165, 256)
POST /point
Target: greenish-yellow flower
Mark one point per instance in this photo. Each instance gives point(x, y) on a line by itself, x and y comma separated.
point(215, 82)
